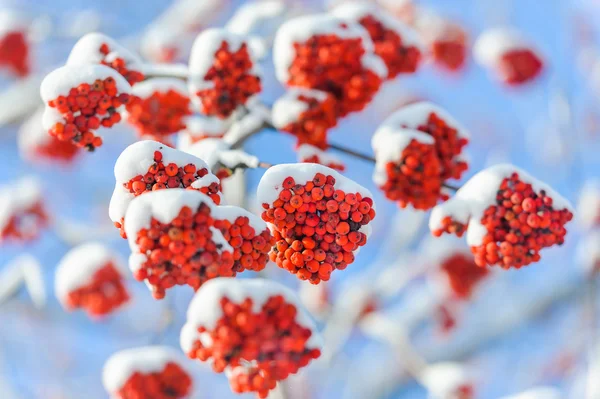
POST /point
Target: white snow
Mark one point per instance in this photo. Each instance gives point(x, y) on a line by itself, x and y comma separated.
point(442, 380)
point(300, 29)
point(77, 268)
point(145, 360)
point(475, 196)
point(87, 51)
point(199, 126)
point(216, 151)
point(588, 207)
point(241, 127)
point(148, 87)
point(493, 43)
point(433, 26)
point(135, 160)
point(258, 18)
point(13, 21)
point(205, 308)
point(306, 151)
point(288, 108)
point(272, 181)
point(18, 196)
point(537, 393)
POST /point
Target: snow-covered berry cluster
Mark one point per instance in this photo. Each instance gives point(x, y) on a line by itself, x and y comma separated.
point(91, 277)
point(462, 273)
point(307, 114)
point(319, 218)
point(152, 372)
point(22, 212)
point(99, 49)
point(330, 54)
point(508, 215)
point(159, 107)
point(149, 166)
point(254, 330)
point(14, 42)
point(311, 154)
point(224, 75)
point(395, 43)
point(417, 149)
point(221, 159)
point(508, 55)
point(81, 99)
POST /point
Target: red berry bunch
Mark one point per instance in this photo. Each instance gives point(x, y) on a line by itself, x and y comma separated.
point(510, 217)
point(250, 245)
point(447, 41)
point(337, 58)
point(463, 274)
point(57, 149)
point(394, 42)
point(230, 81)
point(182, 249)
point(159, 107)
point(152, 372)
point(519, 66)
point(258, 333)
point(310, 154)
point(14, 53)
point(319, 218)
point(76, 113)
point(119, 64)
point(317, 116)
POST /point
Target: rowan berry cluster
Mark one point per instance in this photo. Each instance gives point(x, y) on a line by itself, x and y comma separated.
point(258, 338)
point(518, 219)
point(182, 251)
point(317, 224)
point(519, 66)
point(250, 247)
point(86, 107)
point(311, 125)
point(160, 113)
point(25, 224)
point(57, 149)
point(105, 293)
point(230, 81)
point(171, 383)
point(119, 64)
point(14, 53)
point(463, 274)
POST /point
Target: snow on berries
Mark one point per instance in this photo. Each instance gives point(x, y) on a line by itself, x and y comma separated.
point(307, 114)
point(148, 166)
point(200, 127)
point(508, 216)
point(22, 212)
point(327, 53)
point(151, 372)
point(14, 43)
point(254, 330)
point(509, 55)
point(319, 218)
point(91, 277)
point(174, 241)
point(311, 154)
point(446, 40)
point(448, 380)
point(417, 149)
point(96, 48)
point(35, 144)
point(224, 74)
point(395, 43)
point(221, 159)
point(159, 107)
point(81, 99)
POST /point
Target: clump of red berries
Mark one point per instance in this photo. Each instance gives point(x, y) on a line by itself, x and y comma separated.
point(313, 123)
point(160, 114)
point(463, 274)
point(230, 82)
point(250, 247)
point(186, 250)
point(86, 108)
point(25, 224)
point(120, 65)
point(14, 53)
point(317, 226)
point(57, 149)
point(170, 383)
point(519, 66)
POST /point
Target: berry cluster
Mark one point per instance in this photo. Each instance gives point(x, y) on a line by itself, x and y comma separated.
point(57, 149)
point(159, 113)
point(120, 65)
point(105, 293)
point(183, 251)
point(463, 274)
point(86, 108)
point(250, 247)
point(447, 40)
point(172, 382)
point(14, 53)
point(270, 338)
point(310, 154)
point(231, 81)
point(25, 224)
point(519, 66)
point(317, 226)
point(517, 222)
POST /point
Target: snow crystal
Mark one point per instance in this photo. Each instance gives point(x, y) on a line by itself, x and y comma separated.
point(18, 196)
point(288, 108)
point(87, 51)
point(442, 380)
point(479, 193)
point(205, 309)
point(300, 29)
point(77, 268)
point(145, 360)
point(494, 43)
